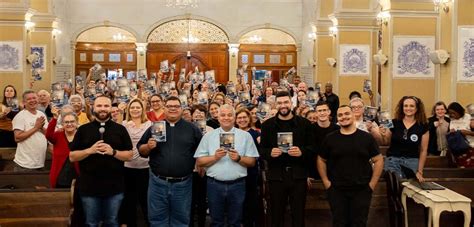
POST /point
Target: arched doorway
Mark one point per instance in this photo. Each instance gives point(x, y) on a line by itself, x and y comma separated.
point(268, 49)
point(189, 43)
point(112, 47)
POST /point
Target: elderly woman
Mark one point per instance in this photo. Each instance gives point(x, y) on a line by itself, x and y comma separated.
point(358, 107)
point(62, 170)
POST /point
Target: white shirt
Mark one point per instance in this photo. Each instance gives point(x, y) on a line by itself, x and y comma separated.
point(31, 152)
point(463, 123)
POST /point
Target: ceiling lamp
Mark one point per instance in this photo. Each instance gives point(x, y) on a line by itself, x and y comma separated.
point(182, 3)
point(119, 37)
point(255, 39)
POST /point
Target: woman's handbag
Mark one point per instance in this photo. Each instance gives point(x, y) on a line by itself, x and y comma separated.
point(457, 143)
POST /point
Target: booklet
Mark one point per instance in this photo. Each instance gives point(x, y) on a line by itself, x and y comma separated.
point(182, 75)
point(123, 94)
point(13, 103)
point(370, 113)
point(312, 98)
point(164, 66)
point(244, 97)
point(231, 91)
point(470, 110)
point(263, 110)
point(227, 140)
point(210, 77)
point(259, 84)
point(385, 120)
point(203, 98)
point(285, 141)
point(201, 126)
point(79, 81)
point(159, 131)
point(367, 85)
point(317, 87)
point(184, 100)
point(57, 98)
point(150, 86)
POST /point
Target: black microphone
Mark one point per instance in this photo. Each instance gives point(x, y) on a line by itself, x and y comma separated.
point(101, 131)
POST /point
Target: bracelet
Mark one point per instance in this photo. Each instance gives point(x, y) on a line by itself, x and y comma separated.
point(238, 159)
point(114, 152)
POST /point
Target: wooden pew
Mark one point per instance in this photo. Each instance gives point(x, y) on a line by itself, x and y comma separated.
point(34, 207)
point(7, 153)
point(24, 180)
point(448, 173)
point(431, 161)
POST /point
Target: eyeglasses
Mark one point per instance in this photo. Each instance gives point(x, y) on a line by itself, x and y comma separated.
point(173, 106)
point(69, 122)
point(405, 134)
point(357, 107)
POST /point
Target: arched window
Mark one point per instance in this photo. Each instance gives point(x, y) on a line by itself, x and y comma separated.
point(187, 31)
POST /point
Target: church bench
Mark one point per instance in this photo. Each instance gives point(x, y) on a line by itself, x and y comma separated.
point(50, 207)
point(24, 180)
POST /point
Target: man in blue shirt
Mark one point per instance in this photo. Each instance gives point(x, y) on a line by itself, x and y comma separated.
point(226, 168)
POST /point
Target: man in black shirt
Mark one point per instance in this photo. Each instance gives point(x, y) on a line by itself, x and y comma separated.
point(347, 172)
point(171, 168)
point(287, 170)
point(322, 128)
point(332, 100)
point(101, 147)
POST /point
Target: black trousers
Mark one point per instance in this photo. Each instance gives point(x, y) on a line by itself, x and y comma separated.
point(198, 203)
point(288, 190)
point(349, 207)
point(7, 138)
point(136, 190)
point(251, 203)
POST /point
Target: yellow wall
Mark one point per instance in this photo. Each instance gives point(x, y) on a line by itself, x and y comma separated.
point(355, 4)
point(40, 5)
point(12, 33)
point(464, 90)
point(324, 50)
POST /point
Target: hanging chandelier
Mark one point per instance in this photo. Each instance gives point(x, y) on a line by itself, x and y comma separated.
point(182, 3)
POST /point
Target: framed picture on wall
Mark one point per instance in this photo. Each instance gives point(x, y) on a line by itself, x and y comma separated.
point(114, 57)
point(465, 53)
point(411, 56)
point(12, 56)
point(97, 57)
point(82, 57)
point(129, 57)
point(244, 58)
point(39, 50)
point(274, 59)
point(355, 59)
point(259, 59)
point(289, 59)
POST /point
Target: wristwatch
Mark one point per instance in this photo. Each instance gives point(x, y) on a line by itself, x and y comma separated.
point(238, 159)
point(114, 152)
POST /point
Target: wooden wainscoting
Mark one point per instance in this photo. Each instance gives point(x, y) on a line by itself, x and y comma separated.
point(109, 55)
point(205, 56)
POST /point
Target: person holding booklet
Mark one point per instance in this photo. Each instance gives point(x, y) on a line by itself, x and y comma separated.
point(287, 169)
point(226, 168)
point(171, 166)
point(346, 172)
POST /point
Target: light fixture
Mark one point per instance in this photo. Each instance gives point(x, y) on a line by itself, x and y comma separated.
point(56, 32)
point(190, 39)
point(383, 17)
point(255, 39)
point(312, 36)
point(30, 26)
point(233, 49)
point(333, 31)
point(441, 4)
point(119, 37)
point(182, 4)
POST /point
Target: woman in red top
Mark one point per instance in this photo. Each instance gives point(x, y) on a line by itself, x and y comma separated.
point(62, 170)
point(157, 113)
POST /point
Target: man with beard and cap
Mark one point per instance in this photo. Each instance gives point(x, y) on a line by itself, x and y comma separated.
point(101, 147)
point(287, 169)
point(350, 166)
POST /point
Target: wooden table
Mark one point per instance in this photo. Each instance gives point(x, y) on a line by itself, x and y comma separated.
point(437, 201)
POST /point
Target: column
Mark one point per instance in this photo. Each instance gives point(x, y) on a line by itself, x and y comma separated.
point(233, 61)
point(141, 55)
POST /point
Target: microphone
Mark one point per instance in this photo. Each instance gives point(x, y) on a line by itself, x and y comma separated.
point(101, 131)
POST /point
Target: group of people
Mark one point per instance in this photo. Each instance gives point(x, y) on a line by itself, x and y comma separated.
point(111, 148)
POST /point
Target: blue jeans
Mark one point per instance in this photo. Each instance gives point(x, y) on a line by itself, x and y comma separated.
point(393, 164)
point(102, 208)
point(224, 199)
point(169, 204)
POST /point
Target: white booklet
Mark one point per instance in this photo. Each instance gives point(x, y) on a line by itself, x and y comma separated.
point(285, 141)
point(159, 131)
point(227, 140)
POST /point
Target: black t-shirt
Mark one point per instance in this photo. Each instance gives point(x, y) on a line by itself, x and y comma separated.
point(101, 175)
point(406, 142)
point(319, 136)
point(348, 156)
point(213, 123)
